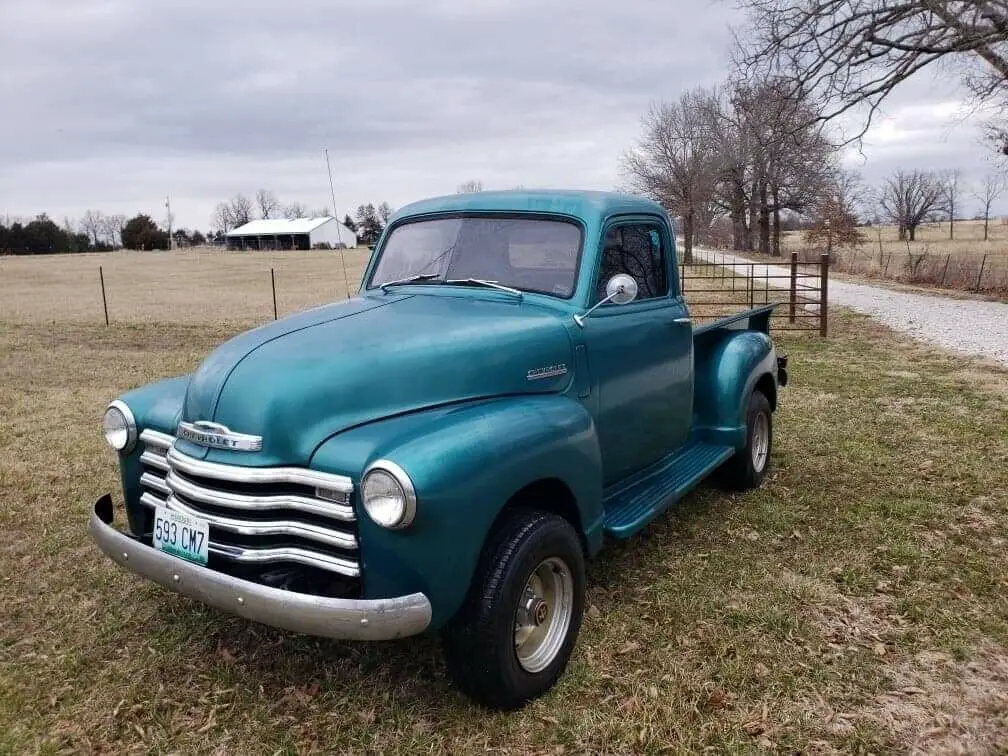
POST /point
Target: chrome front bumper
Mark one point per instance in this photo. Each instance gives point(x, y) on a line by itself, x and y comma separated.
point(351, 619)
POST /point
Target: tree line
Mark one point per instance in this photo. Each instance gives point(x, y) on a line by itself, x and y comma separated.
point(740, 162)
point(97, 232)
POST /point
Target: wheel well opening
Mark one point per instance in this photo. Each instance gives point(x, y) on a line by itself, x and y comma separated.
point(768, 387)
point(550, 495)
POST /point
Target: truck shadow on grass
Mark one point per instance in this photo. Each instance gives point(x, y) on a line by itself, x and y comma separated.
point(269, 665)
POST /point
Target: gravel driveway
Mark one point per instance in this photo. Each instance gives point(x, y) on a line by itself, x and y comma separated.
point(967, 326)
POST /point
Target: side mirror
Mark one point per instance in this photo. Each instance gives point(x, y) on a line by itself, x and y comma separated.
point(620, 289)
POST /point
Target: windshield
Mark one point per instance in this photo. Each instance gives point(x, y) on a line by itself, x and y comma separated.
point(531, 254)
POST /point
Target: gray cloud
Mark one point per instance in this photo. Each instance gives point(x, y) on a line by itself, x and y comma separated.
point(118, 103)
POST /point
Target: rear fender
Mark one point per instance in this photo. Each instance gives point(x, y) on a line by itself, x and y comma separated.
point(729, 365)
point(465, 462)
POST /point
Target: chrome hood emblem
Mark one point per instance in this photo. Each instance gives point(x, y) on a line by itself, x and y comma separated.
point(217, 436)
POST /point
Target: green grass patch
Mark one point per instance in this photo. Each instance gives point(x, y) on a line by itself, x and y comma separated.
point(855, 603)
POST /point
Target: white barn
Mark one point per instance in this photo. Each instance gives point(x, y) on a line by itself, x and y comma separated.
point(296, 233)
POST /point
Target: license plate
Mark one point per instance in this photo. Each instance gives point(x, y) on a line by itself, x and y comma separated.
point(181, 535)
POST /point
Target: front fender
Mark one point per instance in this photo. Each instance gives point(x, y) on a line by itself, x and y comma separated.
point(728, 367)
point(465, 463)
point(157, 406)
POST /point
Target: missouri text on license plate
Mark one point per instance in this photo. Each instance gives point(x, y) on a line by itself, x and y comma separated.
point(181, 535)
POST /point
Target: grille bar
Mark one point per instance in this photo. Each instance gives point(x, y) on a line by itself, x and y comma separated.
point(295, 475)
point(335, 538)
point(286, 554)
point(153, 482)
point(200, 494)
point(154, 460)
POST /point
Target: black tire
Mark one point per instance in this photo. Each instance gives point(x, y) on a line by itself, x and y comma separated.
point(480, 641)
point(743, 470)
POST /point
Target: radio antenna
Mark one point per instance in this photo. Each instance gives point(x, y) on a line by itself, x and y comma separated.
point(339, 236)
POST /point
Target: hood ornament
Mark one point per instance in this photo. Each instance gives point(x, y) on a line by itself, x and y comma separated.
point(217, 436)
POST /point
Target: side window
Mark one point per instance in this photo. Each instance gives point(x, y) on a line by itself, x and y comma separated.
point(635, 249)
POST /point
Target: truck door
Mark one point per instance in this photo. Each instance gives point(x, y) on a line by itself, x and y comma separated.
point(640, 354)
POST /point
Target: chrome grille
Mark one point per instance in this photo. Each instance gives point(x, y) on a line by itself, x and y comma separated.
point(257, 515)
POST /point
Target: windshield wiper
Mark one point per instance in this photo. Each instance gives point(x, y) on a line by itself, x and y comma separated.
point(411, 279)
point(483, 282)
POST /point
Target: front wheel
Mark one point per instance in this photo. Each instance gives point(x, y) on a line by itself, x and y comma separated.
point(514, 634)
point(747, 468)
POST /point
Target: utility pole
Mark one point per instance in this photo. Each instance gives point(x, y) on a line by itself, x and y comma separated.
point(168, 208)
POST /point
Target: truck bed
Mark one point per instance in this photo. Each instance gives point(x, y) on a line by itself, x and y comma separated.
point(756, 319)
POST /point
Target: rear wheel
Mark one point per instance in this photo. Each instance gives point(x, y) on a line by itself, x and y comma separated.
point(747, 468)
point(514, 634)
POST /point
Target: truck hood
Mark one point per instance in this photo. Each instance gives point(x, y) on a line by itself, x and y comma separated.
point(302, 379)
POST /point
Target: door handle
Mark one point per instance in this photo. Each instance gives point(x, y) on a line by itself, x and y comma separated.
point(682, 321)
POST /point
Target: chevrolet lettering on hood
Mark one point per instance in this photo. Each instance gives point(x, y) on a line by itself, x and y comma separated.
point(217, 436)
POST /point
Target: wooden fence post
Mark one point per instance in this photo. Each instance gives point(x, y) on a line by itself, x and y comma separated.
point(104, 301)
point(273, 283)
point(794, 287)
point(980, 275)
point(823, 287)
point(947, 258)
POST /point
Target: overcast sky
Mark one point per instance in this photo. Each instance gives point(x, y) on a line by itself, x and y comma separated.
point(115, 104)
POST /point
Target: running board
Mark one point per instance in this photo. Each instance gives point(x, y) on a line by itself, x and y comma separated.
point(631, 506)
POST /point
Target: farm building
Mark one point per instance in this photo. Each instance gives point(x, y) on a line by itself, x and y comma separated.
point(297, 233)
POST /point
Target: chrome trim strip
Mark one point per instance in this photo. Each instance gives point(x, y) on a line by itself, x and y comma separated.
point(285, 554)
point(350, 619)
point(152, 481)
point(156, 439)
point(336, 538)
point(199, 494)
point(154, 460)
point(217, 436)
point(237, 474)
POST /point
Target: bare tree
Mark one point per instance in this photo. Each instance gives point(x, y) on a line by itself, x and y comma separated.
point(295, 210)
point(849, 53)
point(112, 230)
point(233, 213)
point(950, 185)
point(268, 204)
point(470, 187)
point(908, 198)
point(787, 157)
point(93, 224)
point(674, 161)
point(730, 139)
point(321, 212)
point(834, 213)
point(993, 187)
point(385, 212)
point(241, 210)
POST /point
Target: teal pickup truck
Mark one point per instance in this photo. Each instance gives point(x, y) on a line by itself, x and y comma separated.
point(516, 380)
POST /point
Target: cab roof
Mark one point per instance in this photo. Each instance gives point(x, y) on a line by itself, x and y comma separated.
point(584, 204)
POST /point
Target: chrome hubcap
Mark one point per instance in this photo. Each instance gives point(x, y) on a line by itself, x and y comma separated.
point(760, 442)
point(544, 613)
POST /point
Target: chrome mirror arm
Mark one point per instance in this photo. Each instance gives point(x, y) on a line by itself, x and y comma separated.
point(580, 318)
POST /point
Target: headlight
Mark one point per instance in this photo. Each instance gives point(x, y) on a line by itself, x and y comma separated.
point(388, 495)
point(119, 427)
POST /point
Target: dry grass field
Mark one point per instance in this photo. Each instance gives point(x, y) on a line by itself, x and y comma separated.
point(858, 602)
point(201, 285)
point(931, 259)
